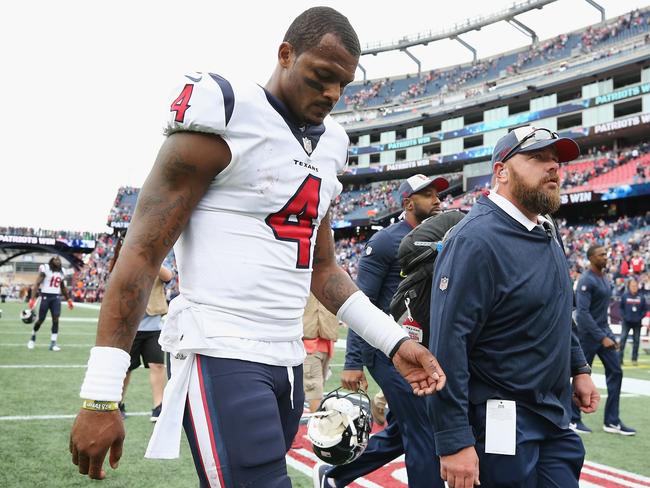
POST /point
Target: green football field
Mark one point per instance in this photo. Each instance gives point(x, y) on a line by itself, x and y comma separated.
point(40, 398)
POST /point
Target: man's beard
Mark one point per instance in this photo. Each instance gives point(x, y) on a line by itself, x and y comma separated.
point(421, 215)
point(536, 199)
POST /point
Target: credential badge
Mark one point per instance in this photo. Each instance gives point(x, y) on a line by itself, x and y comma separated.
point(444, 281)
point(306, 142)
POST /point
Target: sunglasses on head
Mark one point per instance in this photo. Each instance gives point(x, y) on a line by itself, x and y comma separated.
point(535, 135)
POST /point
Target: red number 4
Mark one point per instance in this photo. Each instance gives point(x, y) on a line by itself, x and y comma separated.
point(295, 222)
point(182, 103)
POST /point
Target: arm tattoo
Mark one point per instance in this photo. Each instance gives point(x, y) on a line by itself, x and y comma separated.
point(331, 285)
point(337, 288)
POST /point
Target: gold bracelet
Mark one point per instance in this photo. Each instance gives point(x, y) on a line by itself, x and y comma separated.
point(99, 406)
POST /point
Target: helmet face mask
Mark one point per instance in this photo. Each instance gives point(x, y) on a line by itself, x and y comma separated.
point(27, 316)
point(339, 430)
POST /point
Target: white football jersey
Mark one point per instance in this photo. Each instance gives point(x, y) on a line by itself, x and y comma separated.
point(52, 281)
point(245, 256)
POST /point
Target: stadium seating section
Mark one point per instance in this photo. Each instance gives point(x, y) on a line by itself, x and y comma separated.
point(473, 77)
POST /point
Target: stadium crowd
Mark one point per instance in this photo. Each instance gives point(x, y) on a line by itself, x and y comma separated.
point(376, 196)
point(605, 161)
point(627, 240)
point(123, 206)
point(452, 80)
point(593, 36)
point(56, 234)
point(88, 284)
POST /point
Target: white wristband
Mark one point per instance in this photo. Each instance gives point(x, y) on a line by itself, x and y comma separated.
point(105, 374)
point(373, 325)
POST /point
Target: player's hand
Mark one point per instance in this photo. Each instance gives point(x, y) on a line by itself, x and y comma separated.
point(70, 304)
point(460, 470)
point(585, 393)
point(353, 379)
point(31, 303)
point(609, 343)
point(419, 367)
point(93, 433)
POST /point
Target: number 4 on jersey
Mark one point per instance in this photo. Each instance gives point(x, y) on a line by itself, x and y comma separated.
point(295, 222)
point(182, 103)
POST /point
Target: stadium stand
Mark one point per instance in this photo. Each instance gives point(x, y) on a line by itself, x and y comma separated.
point(55, 234)
point(481, 73)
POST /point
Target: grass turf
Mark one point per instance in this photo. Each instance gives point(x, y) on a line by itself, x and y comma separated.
point(35, 452)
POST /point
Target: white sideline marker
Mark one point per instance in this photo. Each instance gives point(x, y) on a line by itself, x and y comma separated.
point(36, 366)
point(62, 417)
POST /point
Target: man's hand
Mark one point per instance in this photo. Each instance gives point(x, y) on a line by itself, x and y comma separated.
point(609, 343)
point(31, 303)
point(93, 433)
point(419, 367)
point(70, 304)
point(585, 393)
point(353, 379)
point(460, 470)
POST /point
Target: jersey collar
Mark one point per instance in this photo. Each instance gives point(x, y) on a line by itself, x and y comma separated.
point(306, 135)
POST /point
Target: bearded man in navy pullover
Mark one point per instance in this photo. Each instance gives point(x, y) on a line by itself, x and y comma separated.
point(501, 328)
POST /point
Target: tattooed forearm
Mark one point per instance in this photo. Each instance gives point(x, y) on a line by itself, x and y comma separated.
point(331, 285)
point(336, 288)
point(184, 169)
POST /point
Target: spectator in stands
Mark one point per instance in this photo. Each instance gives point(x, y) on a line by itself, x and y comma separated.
point(637, 264)
point(633, 309)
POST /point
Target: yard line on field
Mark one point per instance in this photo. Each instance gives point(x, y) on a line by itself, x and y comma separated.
point(34, 366)
point(630, 385)
point(67, 333)
point(62, 417)
point(622, 395)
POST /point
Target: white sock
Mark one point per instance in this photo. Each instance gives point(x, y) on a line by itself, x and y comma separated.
point(53, 337)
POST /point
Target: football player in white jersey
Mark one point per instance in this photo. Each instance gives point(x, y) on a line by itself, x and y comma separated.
point(244, 182)
point(50, 285)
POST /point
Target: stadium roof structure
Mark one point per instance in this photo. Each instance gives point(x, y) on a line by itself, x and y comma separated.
point(471, 24)
point(12, 246)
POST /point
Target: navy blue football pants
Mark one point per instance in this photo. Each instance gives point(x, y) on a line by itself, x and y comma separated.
point(546, 456)
point(240, 422)
point(613, 377)
point(408, 431)
point(49, 302)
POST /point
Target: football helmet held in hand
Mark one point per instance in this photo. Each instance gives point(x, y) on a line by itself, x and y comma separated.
point(339, 430)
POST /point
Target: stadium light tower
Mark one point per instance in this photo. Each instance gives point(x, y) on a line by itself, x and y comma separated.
point(424, 38)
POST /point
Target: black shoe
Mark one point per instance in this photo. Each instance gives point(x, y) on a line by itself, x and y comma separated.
point(122, 408)
point(155, 413)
